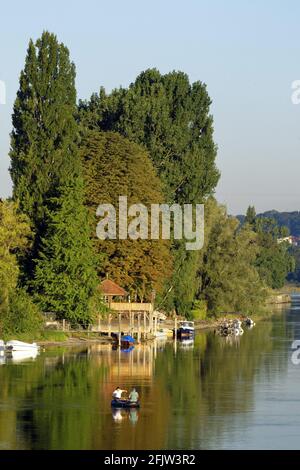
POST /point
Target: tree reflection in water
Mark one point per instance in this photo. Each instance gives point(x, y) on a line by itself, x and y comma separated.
point(189, 396)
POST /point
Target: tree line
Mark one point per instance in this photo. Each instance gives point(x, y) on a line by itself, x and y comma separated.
point(152, 142)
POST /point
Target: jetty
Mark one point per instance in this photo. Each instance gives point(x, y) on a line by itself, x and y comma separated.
point(136, 318)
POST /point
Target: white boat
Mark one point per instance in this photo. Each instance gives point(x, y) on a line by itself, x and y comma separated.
point(15, 345)
point(186, 329)
point(2, 348)
point(20, 356)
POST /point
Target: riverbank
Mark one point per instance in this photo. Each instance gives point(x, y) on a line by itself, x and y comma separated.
point(68, 338)
point(60, 338)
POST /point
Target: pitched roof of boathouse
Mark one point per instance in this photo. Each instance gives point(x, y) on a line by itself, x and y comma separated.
point(109, 287)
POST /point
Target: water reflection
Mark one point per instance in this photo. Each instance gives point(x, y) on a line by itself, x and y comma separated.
point(119, 414)
point(215, 392)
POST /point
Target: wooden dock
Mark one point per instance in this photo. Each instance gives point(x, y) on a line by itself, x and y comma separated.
point(135, 318)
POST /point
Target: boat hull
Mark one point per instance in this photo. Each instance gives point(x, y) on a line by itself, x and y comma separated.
point(124, 404)
point(20, 346)
point(185, 333)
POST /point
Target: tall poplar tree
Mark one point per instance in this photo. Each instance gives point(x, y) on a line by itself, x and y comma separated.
point(43, 140)
point(46, 173)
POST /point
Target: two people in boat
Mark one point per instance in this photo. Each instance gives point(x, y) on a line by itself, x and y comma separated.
point(133, 395)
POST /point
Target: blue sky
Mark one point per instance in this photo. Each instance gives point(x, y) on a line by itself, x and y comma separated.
point(247, 52)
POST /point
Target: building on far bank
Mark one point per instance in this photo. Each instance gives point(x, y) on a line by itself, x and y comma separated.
point(292, 240)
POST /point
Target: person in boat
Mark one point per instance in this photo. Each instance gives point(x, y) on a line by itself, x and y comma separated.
point(117, 394)
point(133, 396)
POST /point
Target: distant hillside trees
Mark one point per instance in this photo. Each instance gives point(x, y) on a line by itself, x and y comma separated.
point(290, 220)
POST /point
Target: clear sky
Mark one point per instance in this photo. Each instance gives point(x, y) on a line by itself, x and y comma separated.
point(246, 51)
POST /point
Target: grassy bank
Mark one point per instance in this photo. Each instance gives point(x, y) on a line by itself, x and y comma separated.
point(47, 337)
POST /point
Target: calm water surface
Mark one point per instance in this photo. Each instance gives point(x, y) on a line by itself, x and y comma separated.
point(220, 394)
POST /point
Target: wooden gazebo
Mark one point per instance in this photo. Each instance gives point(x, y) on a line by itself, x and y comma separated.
point(114, 295)
point(110, 289)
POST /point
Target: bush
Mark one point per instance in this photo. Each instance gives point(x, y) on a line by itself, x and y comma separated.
point(199, 310)
point(22, 315)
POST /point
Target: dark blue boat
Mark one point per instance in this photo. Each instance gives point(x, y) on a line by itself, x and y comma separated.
point(124, 404)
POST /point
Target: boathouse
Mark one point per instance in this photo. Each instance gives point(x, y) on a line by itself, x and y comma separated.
point(135, 318)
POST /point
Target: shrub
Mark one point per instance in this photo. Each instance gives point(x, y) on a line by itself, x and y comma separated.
point(22, 315)
point(199, 310)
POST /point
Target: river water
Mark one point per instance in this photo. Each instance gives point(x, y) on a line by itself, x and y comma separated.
point(217, 393)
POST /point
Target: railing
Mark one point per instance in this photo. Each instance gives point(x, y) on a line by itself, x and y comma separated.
point(131, 306)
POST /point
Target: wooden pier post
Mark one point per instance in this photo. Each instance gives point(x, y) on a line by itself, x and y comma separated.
point(132, 324)
point(145, 326)
point(120, 333)
point(175, 335)
point(139, 328)
point(151, 321)
point(175, 325)
point(109, 324)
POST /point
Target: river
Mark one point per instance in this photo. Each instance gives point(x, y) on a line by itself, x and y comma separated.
point(217, 393)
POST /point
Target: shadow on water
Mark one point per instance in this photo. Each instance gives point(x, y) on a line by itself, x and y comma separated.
point(213, 393)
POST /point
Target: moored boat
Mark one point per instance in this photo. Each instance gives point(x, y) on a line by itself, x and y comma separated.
point(124, 404)
point(15, 345)
point(186, 329)
point(20, 356)
point(2, 348)
point(126, 341)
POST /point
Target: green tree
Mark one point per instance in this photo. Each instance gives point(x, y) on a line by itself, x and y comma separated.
point(229, 280)
point(250, 216)
point(43, 140)
point(294, 274)
point(17, 313)
point(65, 276)
point(171, 118)
point(274, 261)
point(46, 172)
point(14, 238)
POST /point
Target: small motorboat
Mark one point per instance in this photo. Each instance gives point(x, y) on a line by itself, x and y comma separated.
point(15, 345)
point(122, 403)
point(186, 329)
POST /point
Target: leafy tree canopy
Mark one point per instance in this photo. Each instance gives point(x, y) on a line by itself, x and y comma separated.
point(115, 167)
